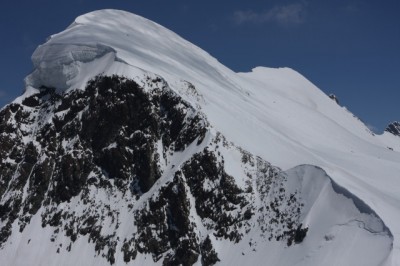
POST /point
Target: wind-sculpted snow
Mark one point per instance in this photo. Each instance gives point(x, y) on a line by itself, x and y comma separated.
point(55, 65)
point(132, 145)
point(342, 219)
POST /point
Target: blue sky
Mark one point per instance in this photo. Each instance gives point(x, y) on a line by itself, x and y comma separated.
point(349, 48)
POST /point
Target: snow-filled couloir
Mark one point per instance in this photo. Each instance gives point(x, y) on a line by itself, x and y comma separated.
point(195, 129)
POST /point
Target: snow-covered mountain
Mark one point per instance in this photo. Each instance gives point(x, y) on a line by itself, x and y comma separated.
point(132, 145)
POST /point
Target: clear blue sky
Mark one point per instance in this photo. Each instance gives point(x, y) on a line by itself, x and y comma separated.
point(350, 48)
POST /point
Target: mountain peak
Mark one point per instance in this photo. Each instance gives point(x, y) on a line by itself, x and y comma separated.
point(140, 145)
point(109, 36)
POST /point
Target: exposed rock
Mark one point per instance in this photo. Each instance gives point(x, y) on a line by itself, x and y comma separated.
point(394, 128)
point(333, 97)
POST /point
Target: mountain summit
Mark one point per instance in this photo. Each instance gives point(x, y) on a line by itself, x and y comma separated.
point(131, 145)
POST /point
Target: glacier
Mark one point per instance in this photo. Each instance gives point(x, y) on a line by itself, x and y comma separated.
point(347, 176)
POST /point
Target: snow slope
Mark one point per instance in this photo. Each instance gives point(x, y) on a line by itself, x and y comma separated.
point(276, 114)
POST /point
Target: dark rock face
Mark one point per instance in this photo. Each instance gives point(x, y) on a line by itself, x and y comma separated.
point(333, 97)
point(108, 131)
point(169, 215)
point(217, 205)
point(112, 150)
point(394, 128)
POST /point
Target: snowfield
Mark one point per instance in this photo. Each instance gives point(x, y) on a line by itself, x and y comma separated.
point(348, 177)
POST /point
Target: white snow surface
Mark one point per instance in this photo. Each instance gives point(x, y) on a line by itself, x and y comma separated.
point(276, 114)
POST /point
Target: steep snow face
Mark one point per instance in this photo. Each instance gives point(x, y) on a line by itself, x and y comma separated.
point(274, 113)
point(341, 229)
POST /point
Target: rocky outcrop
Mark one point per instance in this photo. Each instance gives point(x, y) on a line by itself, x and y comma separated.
point(334, 97)
point(54, 146)
point(393, 128)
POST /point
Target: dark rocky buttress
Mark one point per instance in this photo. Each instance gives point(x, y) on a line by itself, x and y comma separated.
point(53, 146)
